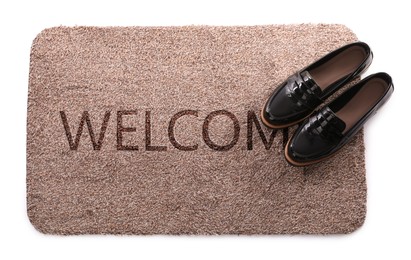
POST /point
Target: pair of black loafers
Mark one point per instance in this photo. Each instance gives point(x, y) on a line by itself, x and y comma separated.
point(322, 133)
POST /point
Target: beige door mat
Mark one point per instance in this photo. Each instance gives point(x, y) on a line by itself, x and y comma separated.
point(155, 130)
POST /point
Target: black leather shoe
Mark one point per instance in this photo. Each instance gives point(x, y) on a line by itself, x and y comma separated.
point(297, 97)
point(324, 133)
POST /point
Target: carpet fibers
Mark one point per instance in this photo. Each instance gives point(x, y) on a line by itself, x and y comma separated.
point(155, 130)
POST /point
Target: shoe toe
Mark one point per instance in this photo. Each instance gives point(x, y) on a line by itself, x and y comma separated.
point(281, 110)
point(305, 148)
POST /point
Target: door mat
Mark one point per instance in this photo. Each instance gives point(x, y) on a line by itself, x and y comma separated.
point(155, 130)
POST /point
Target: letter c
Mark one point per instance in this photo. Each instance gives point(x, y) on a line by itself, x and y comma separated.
point(171, 125)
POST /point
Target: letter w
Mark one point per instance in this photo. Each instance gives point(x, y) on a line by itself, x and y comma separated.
point(85, 119)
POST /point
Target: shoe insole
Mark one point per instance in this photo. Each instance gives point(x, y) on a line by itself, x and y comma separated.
point(341, 65)
point(362, 102)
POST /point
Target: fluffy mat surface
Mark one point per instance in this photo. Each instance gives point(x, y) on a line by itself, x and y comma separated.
point(155, 130)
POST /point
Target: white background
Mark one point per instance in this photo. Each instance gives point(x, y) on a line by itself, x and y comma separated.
point(384, 25)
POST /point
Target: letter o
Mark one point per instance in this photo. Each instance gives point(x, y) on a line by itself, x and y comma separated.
point(206, 135)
